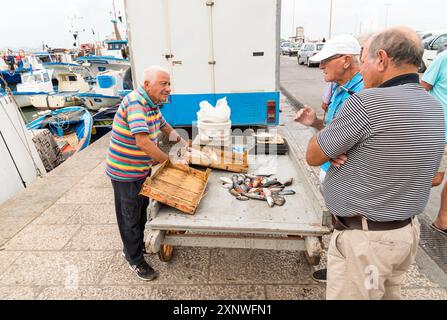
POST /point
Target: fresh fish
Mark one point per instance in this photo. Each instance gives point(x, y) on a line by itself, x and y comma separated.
point(228, 186)
point(255, 190)
point(235, 181)
point(288, 183)
point(234, 193)
point(242, 198)
point(240, 179)
point(268, 196)
point(226, 180)
point(254, 196)
point(244, 187)
point(287, 193)
point(276, 189)
point(279, 201)
point(271, 183)
point(257, 182)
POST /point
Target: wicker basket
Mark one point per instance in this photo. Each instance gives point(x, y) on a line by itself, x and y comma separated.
point(177, 186)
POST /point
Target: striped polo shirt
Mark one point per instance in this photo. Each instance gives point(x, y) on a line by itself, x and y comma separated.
point(136, 114)
point(394, 139)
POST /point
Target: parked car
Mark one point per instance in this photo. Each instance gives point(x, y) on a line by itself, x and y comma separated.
point(432, 46)
point(293, 49)
point(308, 50)
point(285, 48)
point(431, 33)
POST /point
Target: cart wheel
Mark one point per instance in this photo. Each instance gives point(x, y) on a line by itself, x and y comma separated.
point(166, 252)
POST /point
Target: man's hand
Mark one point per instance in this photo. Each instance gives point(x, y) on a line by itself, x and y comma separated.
point(306, 116)
point(340, 161)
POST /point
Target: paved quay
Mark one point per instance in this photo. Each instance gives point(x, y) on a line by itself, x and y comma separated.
point(59, 240)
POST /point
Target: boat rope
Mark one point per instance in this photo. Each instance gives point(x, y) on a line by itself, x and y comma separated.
point(20, 136)
point(13, 161)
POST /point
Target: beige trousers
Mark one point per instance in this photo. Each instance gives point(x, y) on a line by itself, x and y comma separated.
point(370, 265)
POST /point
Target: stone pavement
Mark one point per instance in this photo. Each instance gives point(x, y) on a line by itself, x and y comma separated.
point(59, 240)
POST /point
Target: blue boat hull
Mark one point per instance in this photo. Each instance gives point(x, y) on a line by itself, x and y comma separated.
point(60, 121)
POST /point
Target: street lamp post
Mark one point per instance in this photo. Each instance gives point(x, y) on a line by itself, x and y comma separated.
point(293, 20)
point(330, 22)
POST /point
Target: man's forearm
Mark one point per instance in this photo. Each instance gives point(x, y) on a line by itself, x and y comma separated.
point(154, 152)
point(171, 133)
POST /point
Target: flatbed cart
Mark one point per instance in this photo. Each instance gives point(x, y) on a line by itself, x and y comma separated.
point(221, 221)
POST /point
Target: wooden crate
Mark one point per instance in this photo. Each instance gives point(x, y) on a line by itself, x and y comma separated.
point(227, 160)
point(177, 186)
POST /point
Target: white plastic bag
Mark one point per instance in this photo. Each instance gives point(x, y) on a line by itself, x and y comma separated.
point(219, 114)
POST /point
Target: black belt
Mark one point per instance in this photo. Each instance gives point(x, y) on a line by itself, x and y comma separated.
point(356, 223)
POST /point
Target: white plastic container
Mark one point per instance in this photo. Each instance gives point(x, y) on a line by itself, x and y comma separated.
point(215, 132)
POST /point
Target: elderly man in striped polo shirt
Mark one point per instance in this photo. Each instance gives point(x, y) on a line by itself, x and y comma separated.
point(393, 135)
point(132, 153)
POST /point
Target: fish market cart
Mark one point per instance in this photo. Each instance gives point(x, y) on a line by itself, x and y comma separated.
point(222, 221)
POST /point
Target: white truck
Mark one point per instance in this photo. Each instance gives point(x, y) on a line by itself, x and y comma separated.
point(213, 49)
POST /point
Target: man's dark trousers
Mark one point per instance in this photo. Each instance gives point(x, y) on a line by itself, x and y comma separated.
point(131, 214)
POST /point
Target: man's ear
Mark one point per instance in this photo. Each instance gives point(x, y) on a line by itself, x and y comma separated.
point(348, 62)
point(383, 60)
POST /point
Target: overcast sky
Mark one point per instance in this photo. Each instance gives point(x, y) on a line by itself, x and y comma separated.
point(29, 22)
point(361, 16)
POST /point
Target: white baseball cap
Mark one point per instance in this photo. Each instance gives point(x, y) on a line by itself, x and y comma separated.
point(341, 44)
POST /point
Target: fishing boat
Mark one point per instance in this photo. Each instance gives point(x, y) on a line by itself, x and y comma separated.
point(71, 128)
point(103, 122)
point(98, 64)
point(108, 92)
point(70, 85)
point(35, 83)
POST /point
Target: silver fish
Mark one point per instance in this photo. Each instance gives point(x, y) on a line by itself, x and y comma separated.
point(228, 186)
point(226, 180)
point(287, 193)
point(254, 196)
point(288, 183)
point(270, 183)
point(276, 189)
point(268, 196)
point(242, 198)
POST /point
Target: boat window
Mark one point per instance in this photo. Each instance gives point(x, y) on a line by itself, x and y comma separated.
point(37, 78)
point(72, 78)
point(46, 77)
point(26, 78)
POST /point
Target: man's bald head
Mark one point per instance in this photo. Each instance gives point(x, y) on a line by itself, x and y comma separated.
point(402, 45)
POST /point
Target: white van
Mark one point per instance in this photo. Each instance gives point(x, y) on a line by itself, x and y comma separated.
point(308, 50)
point(432, 46)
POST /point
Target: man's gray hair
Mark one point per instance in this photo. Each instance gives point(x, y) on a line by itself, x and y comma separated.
point(151, 73)
point(355, 59)
point(402, 45)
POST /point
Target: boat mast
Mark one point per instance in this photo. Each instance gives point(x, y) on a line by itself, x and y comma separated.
point(75, 30)
point(115, 23)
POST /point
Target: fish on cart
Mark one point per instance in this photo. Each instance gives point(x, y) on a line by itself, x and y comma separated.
point(245, 187)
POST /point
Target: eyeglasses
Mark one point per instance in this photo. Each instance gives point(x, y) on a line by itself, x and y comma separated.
point(331, 58)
